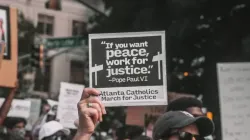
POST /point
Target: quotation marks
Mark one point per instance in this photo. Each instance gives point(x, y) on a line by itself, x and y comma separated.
point(150, 67)
point(103, 42)
point(108, 45)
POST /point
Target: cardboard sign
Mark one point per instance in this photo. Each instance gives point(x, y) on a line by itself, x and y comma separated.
point(129, 68)
point(234, 81)
point(70, 95)
point(19, 108)
point(8, 35)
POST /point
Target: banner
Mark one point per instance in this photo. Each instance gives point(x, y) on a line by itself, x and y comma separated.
point(129, 68)
point(8, 36)
point(19, 108)
point(34, 113)
point(70, 95)
point(234, 87)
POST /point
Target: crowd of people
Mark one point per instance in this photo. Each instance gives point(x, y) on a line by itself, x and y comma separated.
point(183, 120)
point(174, 124)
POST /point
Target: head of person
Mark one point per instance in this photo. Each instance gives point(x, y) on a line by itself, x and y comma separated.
point(128, 132)
point(15, 127)
point(28, 136)
point(142, 138)
point(189, 104)
point(52, 114)
point(53, 130)
point(45, 107)
point(181, 125)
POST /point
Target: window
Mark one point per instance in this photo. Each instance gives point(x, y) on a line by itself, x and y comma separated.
point(79, 28)
point(77, 72)
point(45, 25)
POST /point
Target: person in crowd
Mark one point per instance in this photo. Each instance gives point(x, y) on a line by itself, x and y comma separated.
point(128, 132)
point(181, 125)
point(51, 115)
point(45, 108)
point(28, 135)
point(15, 128)
point(53, 130)
point(172, 125)
point(189, 104)
point(142, 138)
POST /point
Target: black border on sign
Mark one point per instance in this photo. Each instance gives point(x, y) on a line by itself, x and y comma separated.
point(7, 9)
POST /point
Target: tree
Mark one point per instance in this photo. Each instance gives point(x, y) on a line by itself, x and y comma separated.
point(26, 34)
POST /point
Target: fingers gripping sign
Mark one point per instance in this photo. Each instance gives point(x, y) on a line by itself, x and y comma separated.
point(90, 110)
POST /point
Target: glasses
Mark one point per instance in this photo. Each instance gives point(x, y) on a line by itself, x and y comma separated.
point(186, 136)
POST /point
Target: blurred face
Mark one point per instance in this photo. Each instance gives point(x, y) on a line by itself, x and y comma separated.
point(18, 132)
point(189, 132)
point(46, 108)
point(19, 126)
point(50, 118)
point(57, 136)
point(195, 111)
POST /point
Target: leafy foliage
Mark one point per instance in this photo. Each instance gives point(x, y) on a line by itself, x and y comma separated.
point(26, 34)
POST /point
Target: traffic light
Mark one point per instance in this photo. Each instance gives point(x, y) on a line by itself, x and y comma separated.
point(210, 115)
point(37, 56)
point(185, 74)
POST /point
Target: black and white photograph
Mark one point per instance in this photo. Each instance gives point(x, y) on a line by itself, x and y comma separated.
point(5, 31)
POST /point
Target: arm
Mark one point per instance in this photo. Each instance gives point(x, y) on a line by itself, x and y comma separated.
point(90, 111)
point(6, 105)
point(83, 136)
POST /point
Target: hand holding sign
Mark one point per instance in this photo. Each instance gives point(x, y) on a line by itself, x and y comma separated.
point(90, 110)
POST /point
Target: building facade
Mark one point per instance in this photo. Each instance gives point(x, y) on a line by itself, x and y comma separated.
point(70, 20)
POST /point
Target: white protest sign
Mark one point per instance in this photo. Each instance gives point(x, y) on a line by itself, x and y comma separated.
point(19, 108)
point(70, 95)
point(34, 113)
point(129, 68)
point(234, 87)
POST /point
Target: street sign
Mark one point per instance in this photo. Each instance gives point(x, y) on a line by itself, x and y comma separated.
point(51, 43)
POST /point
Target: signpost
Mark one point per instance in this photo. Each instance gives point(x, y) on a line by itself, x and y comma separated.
point(51, 43)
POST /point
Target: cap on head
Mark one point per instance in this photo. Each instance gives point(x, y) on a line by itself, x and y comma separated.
point(179, 119)
point(50, 128)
